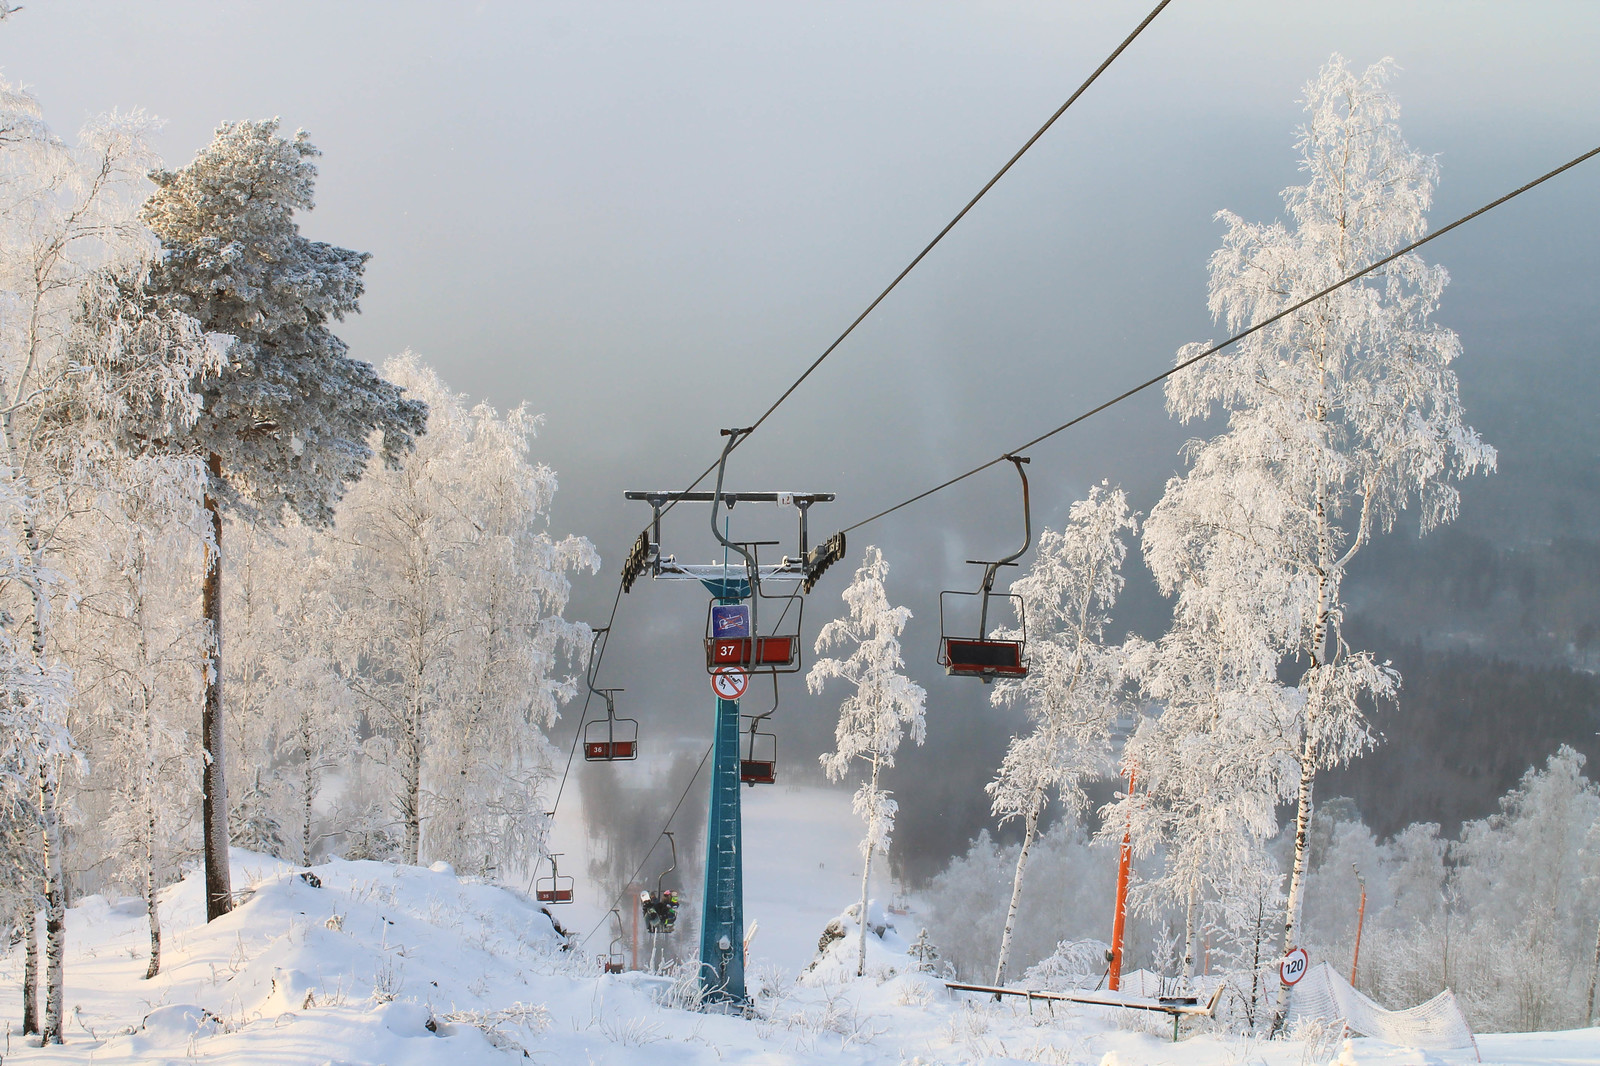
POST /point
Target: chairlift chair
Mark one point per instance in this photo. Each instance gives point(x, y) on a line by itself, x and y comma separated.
point(611, 739)
point(661, 910)
point(758, 751)
point(758, 757)
point(608, 739)
point(734, 636)
point(555, 888)
point(614, 961)
point(984, 657)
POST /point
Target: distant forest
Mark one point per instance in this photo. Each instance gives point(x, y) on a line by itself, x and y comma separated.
point(1466, 728)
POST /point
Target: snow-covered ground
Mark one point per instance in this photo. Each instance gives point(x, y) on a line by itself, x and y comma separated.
point(372, 963)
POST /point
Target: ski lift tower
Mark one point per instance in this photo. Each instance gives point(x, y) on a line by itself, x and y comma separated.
point(738, 643)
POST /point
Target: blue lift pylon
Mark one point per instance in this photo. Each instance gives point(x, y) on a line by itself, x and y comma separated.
point(730, 584)
point(722, 906)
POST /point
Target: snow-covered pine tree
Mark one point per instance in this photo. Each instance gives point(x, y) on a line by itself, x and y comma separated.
point(454, 600)
point(1074, 681)
point(1339, 416)
point(286, 425)
point(883, 707)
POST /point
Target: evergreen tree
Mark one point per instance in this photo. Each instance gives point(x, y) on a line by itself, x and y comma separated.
point(286, 424)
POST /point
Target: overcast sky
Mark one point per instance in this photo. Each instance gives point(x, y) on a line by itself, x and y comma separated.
point(646, 219)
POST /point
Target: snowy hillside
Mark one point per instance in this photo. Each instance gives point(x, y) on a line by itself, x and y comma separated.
point(365, 962)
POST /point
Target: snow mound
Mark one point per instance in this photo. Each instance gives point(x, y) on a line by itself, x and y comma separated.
point(839, 947)
point(384, 963)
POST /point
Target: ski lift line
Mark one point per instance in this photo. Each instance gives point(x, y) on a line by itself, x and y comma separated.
point(635, 876)
point(1215, 348)
point(1040, 132)
point(593, 671)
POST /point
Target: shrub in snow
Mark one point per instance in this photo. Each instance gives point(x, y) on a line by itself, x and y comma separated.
point(1073, 964)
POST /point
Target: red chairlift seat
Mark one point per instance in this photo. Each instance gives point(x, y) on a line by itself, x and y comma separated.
point(965, 657)
point(555, 888)
point(751, 653)
point(611, 739)
point(758, 755)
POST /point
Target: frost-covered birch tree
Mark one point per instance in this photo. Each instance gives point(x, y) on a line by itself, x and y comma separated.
point(133, 643)
point(287, 425)
point(1072, 691)
point(68, 224)
point(883, 707)
point(290, 716)
point(455, 595)
point(1339, 417)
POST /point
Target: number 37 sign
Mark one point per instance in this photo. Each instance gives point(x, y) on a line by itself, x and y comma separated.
point(1293, 966)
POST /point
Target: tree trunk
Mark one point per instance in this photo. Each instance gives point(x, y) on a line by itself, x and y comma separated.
point(1302, 826)
point(1255, 964)
point(30, 972)
point(150, 828)
point(214, 785)
point(1029, 832)
point(152, 910)
point(1189, 936)
point(55, 911)
point(307, 799)
point(411, 779)
point(866, 878)
point(1594, 974)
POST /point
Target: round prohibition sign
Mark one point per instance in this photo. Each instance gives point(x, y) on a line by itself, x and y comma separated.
point(729, 683)
point(1293, 966)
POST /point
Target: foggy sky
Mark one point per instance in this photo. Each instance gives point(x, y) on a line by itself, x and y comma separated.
point(646, 219)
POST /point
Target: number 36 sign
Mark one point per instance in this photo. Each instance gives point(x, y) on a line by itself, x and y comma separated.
point(1293, 966)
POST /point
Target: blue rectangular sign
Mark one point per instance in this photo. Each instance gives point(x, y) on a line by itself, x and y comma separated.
point(730, 620)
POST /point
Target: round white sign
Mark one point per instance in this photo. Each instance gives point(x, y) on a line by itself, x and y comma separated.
point(728, 683)
point(1293, 966)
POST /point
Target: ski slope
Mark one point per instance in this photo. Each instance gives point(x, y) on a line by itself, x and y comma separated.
point(368, 963)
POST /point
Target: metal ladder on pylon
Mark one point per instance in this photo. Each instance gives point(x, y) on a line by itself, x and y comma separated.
point(722, 921)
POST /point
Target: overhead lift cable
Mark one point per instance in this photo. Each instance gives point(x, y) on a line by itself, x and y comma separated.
point(1215, 348)
point(1040, 132)
point(634, 564)
point(640, 868)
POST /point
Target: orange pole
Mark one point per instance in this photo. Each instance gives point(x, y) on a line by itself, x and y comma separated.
point(1361, 919)
point(633, 896)
point(1114, 978)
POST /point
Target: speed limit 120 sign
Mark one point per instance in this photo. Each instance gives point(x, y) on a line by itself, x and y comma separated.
point(1293, 966)
point(729, 683)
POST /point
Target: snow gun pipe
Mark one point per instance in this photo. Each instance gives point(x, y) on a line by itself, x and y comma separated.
point(1174, 1005)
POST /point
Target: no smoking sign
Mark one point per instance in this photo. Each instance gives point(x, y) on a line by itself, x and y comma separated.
point(729, 684)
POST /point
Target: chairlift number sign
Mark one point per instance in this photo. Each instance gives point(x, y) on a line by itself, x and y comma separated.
point(1293, 966)
point(729, 683)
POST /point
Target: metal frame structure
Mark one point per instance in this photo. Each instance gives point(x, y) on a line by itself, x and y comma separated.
point(980, 656)
point(738, 581)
